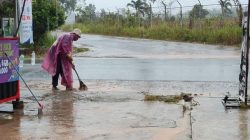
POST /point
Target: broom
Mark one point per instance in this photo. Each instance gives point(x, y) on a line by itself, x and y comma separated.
point(82, 85)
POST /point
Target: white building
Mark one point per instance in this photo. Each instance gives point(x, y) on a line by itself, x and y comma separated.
point(71, 18)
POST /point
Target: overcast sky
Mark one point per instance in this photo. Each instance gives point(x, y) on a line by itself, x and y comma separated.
point(112, 5)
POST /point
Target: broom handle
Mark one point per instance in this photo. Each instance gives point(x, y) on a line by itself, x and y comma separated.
point(22, 79)
point(77, 74)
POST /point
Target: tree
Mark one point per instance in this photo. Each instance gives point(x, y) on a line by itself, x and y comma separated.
point(7, 9)
point(198, 12)
point(225, 7)
point(139, 6)
point(103, 13)
point(86, 14)
point(90, 11)
point(46, 16)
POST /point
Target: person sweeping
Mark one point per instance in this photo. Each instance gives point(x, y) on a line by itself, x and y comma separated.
point(59, 61)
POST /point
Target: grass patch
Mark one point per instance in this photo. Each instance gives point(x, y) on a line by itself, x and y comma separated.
point(79, 50)
point(211, 31)
point(167, 98)
point(244, 106)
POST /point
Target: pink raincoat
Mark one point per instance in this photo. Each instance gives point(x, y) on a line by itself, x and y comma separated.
point(62, 47)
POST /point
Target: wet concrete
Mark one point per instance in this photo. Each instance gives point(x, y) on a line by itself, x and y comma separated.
point(92, 115)
point(211, 121)
point(119, 72)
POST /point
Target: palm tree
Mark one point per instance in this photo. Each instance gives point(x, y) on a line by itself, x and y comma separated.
point(225, 7)
point(139, 7)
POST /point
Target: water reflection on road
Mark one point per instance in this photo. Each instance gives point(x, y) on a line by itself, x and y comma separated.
point(119, 72)
point(135, 59)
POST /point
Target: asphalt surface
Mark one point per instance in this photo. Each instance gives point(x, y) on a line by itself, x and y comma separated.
point(119, 72)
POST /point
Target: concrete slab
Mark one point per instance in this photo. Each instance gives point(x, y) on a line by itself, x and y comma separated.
point(96, 116)
point(211, 121)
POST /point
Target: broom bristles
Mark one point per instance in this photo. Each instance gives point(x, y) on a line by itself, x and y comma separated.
point(82, 86)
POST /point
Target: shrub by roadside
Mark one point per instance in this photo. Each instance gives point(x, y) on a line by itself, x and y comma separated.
point(42, 46)
point(211, 32)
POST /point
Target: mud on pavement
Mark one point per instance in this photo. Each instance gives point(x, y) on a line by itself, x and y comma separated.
point(94, 114)
point(115, 109)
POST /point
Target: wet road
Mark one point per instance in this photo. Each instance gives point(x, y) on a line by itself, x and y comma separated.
point(119, 72)
point(135, 59)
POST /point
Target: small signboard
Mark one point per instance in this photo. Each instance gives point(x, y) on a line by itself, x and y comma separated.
point(7, 70)
point(8, 25)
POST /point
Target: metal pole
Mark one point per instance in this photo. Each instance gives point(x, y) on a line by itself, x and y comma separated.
point(200, 13)
point(20, 18)
point(16, 18)
point(118, 17)
point(151, 15)
point(180, 11)
point(247, 59)
point(199, 9)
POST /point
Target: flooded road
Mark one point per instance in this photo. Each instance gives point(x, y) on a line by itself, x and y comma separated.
point(119, 72)
point(136, 59)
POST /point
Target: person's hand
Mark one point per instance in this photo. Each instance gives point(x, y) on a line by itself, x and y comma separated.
point(69, 56)
point(73, 65)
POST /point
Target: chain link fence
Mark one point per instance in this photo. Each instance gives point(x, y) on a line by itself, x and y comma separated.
point(176, 16)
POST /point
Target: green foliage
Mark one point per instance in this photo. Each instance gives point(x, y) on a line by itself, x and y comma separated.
point(86, 14)
point(211, 31)
point(140, 7)
point(46, 16)
point(79, 50)
point(167, 98)
point(198, 12)
point(6, 10)
point(67, 27)
point(44, 43)
point(225, 7)
point(46, 40)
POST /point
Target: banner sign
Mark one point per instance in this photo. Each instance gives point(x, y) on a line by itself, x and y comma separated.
point(7, 70)
point(26, 27)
